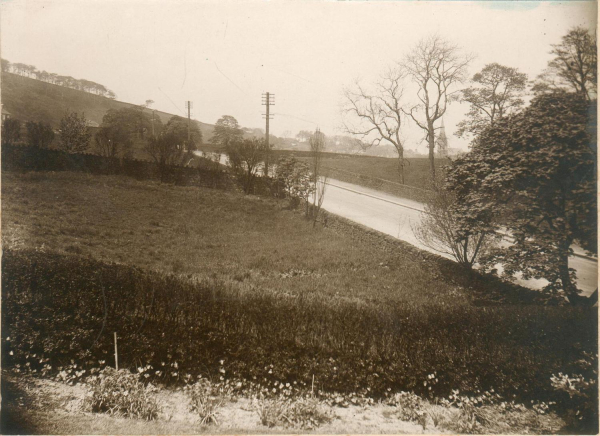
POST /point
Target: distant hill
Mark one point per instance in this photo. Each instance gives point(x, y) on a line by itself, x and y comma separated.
point(34, 100)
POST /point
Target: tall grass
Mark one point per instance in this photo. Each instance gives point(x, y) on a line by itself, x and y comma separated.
point(66, 307)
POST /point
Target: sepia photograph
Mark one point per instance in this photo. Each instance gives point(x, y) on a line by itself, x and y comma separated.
point(298, 217)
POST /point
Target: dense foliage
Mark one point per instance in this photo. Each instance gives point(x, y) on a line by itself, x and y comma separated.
point(227, 130)
point(74, 133)
point(534, 176)
point(39, 134)
point(11, 131)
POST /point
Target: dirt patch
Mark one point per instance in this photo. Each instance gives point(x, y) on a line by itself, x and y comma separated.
point(42, 406)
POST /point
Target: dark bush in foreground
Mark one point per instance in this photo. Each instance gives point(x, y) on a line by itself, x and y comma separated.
point(61, 308)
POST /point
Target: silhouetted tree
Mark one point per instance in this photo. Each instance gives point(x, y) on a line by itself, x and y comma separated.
point(497, 92)
point(227, 130)
point(574, 67)
point(39, 134)
point(11, 131)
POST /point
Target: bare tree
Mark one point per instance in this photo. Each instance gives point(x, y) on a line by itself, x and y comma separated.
point(319, 179)
point(436, 66)
point(377, 116)
point(440, 229)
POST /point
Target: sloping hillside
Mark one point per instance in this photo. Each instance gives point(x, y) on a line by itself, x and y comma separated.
point(33, 100)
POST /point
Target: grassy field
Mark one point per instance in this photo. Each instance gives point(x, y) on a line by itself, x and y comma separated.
point(258, 288)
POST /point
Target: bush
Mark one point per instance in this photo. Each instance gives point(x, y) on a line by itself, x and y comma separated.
point(121, 393)
point(581, 405)
point(205, 401)
point(305, 413)
point(410, 407)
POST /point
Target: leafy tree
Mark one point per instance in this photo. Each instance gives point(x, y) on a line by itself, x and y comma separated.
point(5, 65)
point(303, 135)
point(227, 131)
point(574, 67)
point(113, 141)
point(74, 133)
point(534, 175)
point(166, 149)
point(179, 126)
point(377, 115)
point(39, 134)
point(436, 66)
point(497, 93)
point(244, 156)
point(11, 131)
point(296, 179)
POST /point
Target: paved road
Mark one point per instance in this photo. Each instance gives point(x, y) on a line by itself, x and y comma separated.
point(397, 216)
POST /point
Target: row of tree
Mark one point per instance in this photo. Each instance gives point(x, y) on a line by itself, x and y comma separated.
point(526, 192)
point(31, 71)
point(434, 71)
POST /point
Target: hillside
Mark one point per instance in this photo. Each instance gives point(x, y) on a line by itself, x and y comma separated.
point(33, 100)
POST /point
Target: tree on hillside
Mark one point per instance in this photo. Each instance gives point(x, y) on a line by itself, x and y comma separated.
point(244, 156)
point(74, 133)
point(11, 131)
point(165, 149)
point(534, 175)
point(39, 134)
point(574, 66)
point(5, 65)
point(377, 116)
point(436, 66)
point(143, 120)
point(496, 92)
point(227, 131)
point(179, 126)
point(113, 140)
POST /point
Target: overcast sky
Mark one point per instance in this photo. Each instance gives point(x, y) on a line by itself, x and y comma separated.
point(223, 55)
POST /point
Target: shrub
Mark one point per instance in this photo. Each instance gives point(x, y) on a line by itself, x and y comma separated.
point(205, 401)
point(305, 413)
point(410, 407)
point(121, 393)
point(582, 402)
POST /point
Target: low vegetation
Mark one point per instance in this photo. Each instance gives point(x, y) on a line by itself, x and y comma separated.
point(221, 285)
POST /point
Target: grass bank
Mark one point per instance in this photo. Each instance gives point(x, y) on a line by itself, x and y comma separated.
point(198, 281)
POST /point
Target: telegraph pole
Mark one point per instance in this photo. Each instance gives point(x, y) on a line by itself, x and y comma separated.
point(268, 100)
point(189, 107)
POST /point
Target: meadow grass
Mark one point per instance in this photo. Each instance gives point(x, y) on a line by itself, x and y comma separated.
point(223, 277)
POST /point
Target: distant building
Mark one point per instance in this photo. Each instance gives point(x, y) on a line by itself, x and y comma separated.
point(5, 114)
point(442, 142)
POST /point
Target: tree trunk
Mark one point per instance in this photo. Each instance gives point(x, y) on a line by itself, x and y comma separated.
point(431, 144)
point(568, 286)
point(401, 164)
